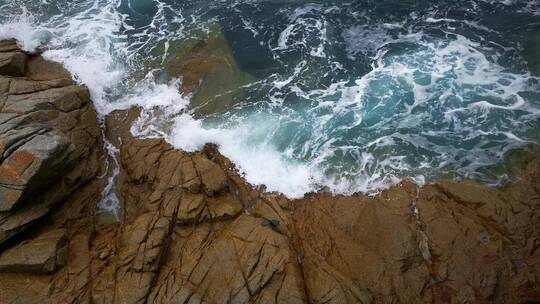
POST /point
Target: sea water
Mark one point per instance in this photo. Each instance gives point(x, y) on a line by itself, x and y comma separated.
point(345, 96)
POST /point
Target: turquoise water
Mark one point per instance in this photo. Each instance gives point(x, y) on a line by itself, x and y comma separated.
point(351, 96)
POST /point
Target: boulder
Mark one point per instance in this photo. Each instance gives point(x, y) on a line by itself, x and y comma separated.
point(8, 46)
point(51, 154)
point(43, 254)
point(50, 140)
point(28, 168)
point(13, 63)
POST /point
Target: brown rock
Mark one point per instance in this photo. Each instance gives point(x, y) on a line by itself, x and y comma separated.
point(23, 86)
point(236, 263)
point(213, 178)
point(49, 143)
point(8, 46)
point(13, 63)
point(28, 168)
point(39, 69)
point(50, 154)
point(43, 254)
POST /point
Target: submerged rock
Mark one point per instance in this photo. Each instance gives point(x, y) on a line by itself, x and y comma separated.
point(194, 231)
point(209, 72)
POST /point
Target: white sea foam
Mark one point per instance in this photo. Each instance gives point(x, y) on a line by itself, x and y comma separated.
point(261, 163)
point(305, 31)
point(22, 28)
point(86, 43)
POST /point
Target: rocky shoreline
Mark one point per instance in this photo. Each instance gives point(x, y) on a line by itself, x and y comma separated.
point(192, 230)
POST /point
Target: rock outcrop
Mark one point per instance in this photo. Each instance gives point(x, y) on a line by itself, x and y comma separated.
point(50, 156)
point(50, 139)
point(193, 231)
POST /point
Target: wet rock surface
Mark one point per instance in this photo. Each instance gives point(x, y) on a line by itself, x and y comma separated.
point(193, 231)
